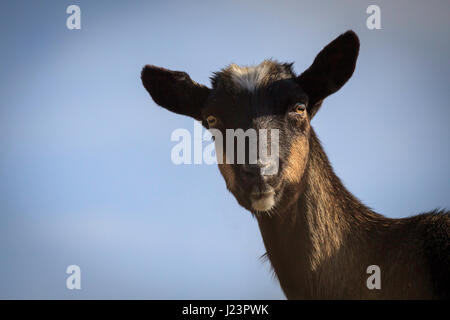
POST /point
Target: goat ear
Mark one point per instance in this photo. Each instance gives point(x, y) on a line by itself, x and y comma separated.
point(174, 90)
point(331, 69)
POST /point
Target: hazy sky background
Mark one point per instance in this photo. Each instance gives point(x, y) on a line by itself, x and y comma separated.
point(85, 170)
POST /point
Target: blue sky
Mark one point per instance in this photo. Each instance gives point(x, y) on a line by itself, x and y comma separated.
point(85, 170)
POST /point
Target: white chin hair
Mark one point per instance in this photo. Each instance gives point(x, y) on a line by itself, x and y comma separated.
point(263, 204)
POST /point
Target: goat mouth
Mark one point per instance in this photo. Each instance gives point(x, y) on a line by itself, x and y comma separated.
point(262, 200)
point(264, 194)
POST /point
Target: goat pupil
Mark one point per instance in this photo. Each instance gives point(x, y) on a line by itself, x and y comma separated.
point(300, 108)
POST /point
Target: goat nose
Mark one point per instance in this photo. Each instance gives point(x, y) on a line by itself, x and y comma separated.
point(255, 170)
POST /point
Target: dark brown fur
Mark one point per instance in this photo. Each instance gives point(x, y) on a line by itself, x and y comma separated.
point(321, 245)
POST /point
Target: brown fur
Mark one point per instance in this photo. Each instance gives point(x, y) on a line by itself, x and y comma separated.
point(228, 174)
point(297, 160)
point(321, 246)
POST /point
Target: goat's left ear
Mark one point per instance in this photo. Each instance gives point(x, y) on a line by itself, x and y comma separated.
point(175, 91)
point(331, 69)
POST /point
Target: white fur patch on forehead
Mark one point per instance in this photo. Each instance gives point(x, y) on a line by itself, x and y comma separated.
point(249, 77)
point(253, 77)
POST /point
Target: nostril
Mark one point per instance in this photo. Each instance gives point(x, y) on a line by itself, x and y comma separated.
point(250, 170)
point(264, 165)
point(261, 169)
point(269, 168)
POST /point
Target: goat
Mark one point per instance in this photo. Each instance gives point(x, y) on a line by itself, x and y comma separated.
point(319, 238)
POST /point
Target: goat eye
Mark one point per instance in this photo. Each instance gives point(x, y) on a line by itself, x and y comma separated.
point(300, 108)
point(211, 120)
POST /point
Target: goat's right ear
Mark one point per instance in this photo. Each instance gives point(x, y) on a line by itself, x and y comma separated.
point(175, 91)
